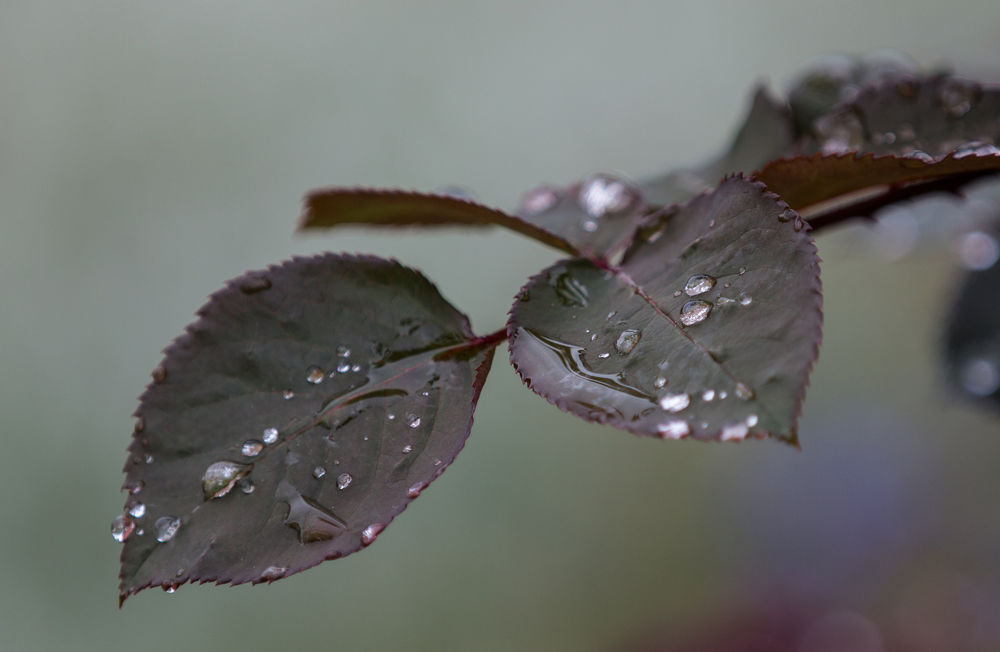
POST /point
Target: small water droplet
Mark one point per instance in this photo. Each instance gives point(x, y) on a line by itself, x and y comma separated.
point(415, 489)
point(344, 481)
point(611, 315)
point(408, 448)
point(121, 528)
point(355, 368)
point(288, 395)
point(695, 312)
point(343, 367)
point(425, 393)
point(166, 528)
point(708, 395)
point(390, 416)
point(148, 459)
point(723, 394)
point(370, 533)
point(170, 589)
point(140, 532)
point(734, 431)
point(251, 448)
point(918, 156)
point(978, 250)
point(674, 401)
point(254, 284)
point(137, 487)
point(137, 510)
point(539, 200)
point(957, 97)
point(413, 420)
point(319, 472)
point(751, 420)
point(742, 271)
point(272, 573)
point(674, 429)
point(603, 194)
point(744, 299)
point(660, 382)
point(220, 477)
point(677, 293)
point(159, 374)
point(437, 462)
point(604, 356)
point(979, 376)
point(589, 225)
point(744, 392)
point(314, 375)
point(343, 351)
point(593, 337)
point(246, 486)
point(721, 300)
point(698, 284)
point(270, 436)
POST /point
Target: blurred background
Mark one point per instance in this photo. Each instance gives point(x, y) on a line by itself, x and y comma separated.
point(150, 151)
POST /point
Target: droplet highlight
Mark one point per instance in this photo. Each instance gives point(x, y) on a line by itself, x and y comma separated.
point(673, 429)
point(603, 194)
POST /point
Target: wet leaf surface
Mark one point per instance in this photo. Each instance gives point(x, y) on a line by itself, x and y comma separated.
point(302, 411)
point(708, 328)
point(339, 206)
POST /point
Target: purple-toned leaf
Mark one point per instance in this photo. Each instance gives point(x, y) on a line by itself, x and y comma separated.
point(303, 410)
point(338, 206)
point(708, 328)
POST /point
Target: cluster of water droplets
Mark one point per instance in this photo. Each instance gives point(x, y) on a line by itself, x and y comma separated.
point(599, 196)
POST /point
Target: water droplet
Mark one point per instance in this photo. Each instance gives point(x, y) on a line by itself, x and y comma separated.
point(288, 395)
point(742, 271)
point(839, 132)
point(272, 573)
point(413, 420)
point(246, 486)
point(918, 156)
point(356, 368)
point(786, 215)
point(251, 448)
point(140, 424)
point(148, 459)
point(220, 477)
point(695, 312)
point(611, 315)
point(137, 487)
point(343, 367)
point(137, 510)
point(344, 481)
point(887, 138)
point(976, 148)
point(415, 489)
point(979, 376)
point(140, 532)
point(744, 299)
point(437, 462)
point(589, 225)
point(408, 448)
point(254, 284)
point(343, 351)
point(674, 429)
point(314, 375)
point(166, 528)
point(721, 300)
point(370, 533)
point(978, 250)
point(319, 472)
point(170, 589)
point(603, 194)
point(734, 431)
point(121, 528)
point(674, 401)
point(744, 392)
point(957, 97)
point(660, 382)
point(677, 293)
point(270, 436)
point(603, 356)
point(627, 340)
point(570, 291)
point(159, 374)
point(539, 200)
point(390, 416)
point(698, 284)
point(751, 420)
point(722, 394)
point(708, 395)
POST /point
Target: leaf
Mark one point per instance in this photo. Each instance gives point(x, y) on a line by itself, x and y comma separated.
point(338, 206)
point(766, 134)
point(624, 346)
point(314, 400)
point(972, 340)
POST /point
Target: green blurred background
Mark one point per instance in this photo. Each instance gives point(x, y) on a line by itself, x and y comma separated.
point(149, 151)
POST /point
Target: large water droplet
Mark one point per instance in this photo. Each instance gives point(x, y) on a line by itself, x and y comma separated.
point(957, 97)
point(698, 284)
point(251, 448)
point(839, 132)
point(370, 533)
point(137, 510)
point(220, 477)
point(314, 375)
point(270, 436)
point(674, 429)
point(570, 291)
point(344, 481)
point(166, 528)
point(413, 420)
point(319, 472)
point(734, 431)
point(978, 250)
point(603, 194)
point(539, 200)
point(979, 376)
point(121, 528)
point(674, 401)
point(137, 487)
point(695, 312)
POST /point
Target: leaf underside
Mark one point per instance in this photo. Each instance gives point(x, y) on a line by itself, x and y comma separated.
point(370, 379)
point(610, 344)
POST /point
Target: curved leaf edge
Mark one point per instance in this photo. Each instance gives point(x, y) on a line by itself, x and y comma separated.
point(792, 438)
point(474, 344)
